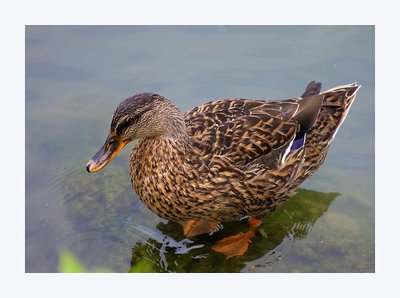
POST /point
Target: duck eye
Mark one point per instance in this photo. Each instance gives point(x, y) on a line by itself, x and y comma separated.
point(125, 124)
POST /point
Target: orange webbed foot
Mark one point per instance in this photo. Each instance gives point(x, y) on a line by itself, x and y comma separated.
point(193, 228)
point(238, 244)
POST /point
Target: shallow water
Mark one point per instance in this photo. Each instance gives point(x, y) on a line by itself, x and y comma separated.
point(75, 77)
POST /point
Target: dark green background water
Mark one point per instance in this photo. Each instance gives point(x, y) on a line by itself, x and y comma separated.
point(75, 77)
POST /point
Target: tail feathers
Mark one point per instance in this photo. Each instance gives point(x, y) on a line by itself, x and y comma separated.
point(335, 106)
point(337, 103)
point(341, 96)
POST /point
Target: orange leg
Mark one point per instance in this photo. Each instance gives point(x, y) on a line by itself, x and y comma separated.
point(197, 227)
point(237, 245)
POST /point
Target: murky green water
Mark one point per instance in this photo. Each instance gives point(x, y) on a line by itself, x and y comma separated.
point(75, 77)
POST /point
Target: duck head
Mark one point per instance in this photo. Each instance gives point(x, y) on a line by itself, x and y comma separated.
point(145, 115)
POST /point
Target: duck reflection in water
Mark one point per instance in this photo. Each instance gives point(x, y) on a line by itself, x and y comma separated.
point(226, 159)
point(167, 250)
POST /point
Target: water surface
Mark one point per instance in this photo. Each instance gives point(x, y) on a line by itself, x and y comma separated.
point(75, 77)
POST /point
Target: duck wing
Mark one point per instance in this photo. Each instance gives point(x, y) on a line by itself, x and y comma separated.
point(244, 130)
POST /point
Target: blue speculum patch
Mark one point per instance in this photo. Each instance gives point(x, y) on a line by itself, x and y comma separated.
point(299, 140)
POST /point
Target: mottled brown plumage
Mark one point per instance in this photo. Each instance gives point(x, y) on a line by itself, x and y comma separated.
point(225, 159)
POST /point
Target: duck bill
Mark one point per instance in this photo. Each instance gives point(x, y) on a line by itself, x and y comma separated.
point(109, 150)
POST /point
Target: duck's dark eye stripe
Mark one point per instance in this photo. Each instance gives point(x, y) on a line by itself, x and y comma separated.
point(131, 120)
point(128, 122)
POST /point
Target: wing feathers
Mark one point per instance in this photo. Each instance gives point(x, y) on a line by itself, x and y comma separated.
point(242, 129)
point(309, 108)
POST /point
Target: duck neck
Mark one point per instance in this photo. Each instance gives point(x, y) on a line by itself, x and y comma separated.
point(175, 127)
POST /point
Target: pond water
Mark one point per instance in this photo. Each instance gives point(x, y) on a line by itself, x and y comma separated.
point(76, 76)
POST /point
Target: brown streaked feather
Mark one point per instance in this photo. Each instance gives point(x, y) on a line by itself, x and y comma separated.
point(245, 130)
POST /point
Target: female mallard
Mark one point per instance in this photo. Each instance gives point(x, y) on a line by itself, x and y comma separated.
point(225, 159)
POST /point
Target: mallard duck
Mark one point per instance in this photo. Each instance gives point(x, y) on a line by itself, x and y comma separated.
point(226, 159)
